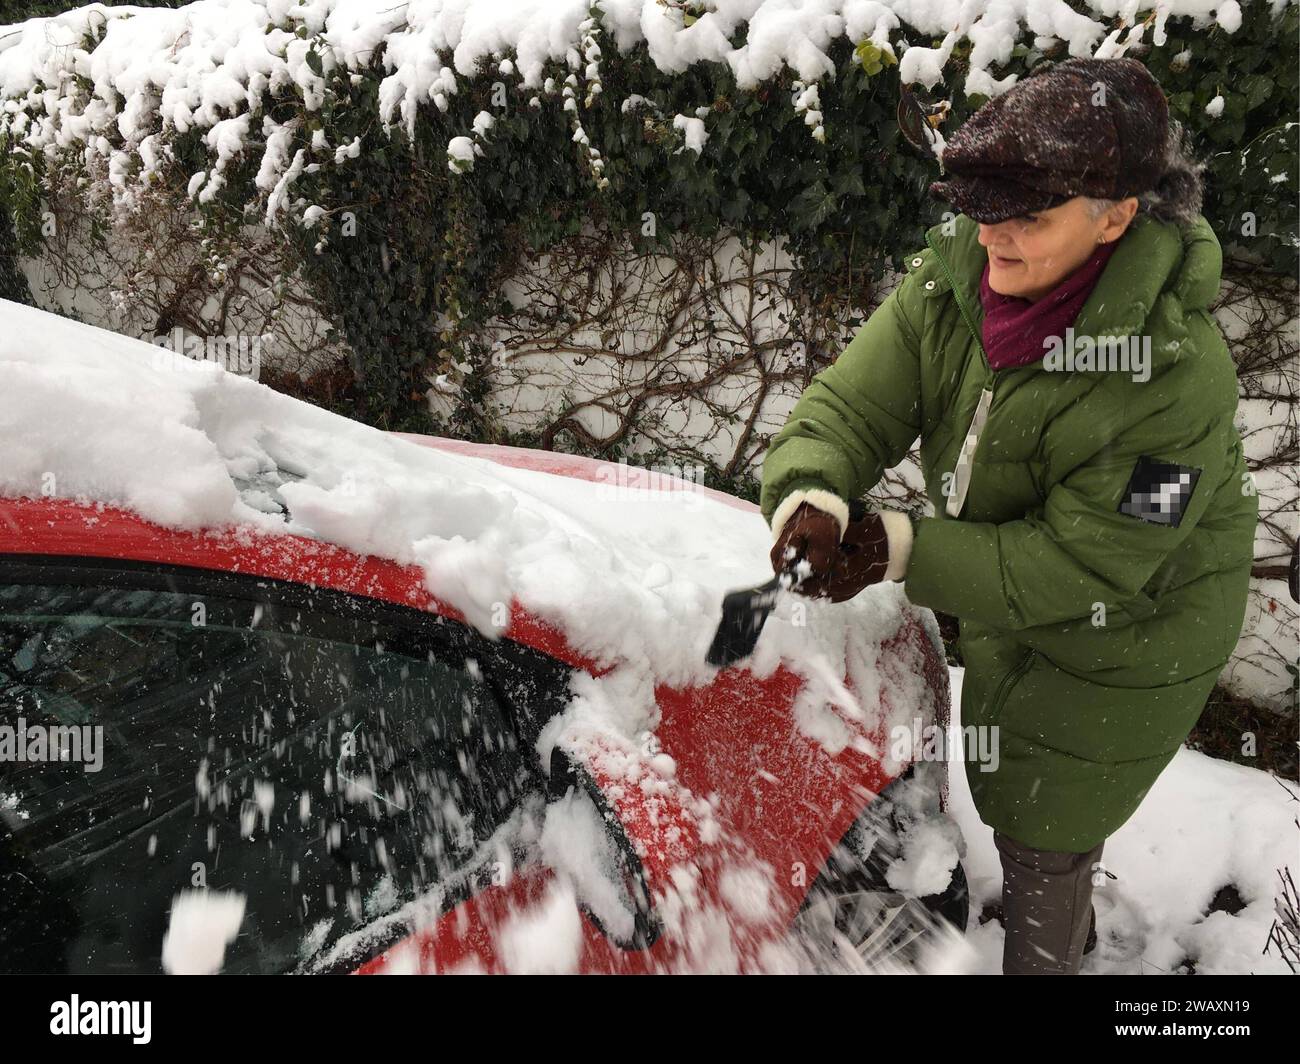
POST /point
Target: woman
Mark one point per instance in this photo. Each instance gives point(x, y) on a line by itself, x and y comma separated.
point(1052, 348)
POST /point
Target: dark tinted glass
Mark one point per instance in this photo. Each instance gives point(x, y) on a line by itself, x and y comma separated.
point(326, 767)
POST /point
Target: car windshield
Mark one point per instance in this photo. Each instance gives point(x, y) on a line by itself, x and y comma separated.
point(317, 767)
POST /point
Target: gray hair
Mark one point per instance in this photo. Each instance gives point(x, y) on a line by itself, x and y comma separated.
point(1177, 195)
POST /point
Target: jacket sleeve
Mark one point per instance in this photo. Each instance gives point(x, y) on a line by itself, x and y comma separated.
point(856, 419)
point(1087, 545)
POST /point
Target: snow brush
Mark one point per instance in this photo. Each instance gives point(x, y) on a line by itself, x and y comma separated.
point(743, 615)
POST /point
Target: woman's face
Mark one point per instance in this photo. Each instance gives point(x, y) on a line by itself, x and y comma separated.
point(1030, 255)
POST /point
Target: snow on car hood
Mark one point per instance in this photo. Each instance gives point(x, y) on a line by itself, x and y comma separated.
point(629, 574)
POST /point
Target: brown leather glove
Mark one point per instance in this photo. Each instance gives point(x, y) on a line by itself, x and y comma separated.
point(808, 548)
point(864, 555)
point(836, 569)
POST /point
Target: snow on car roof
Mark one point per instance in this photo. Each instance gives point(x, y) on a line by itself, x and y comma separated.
point(631, 576)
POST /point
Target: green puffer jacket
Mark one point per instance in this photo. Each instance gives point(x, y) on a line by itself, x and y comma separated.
point(1095, 617)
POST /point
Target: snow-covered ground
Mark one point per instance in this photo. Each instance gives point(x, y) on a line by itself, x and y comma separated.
point(1205, 824)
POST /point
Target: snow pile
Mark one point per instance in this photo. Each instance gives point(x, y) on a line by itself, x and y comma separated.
point(545, 939)
point(930, 843)
point(577, 844)
point(115, 85)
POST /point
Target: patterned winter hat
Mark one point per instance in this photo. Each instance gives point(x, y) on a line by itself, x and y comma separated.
point(1045, 140)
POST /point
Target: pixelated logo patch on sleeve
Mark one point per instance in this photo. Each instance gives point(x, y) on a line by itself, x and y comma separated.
point(1159, 491)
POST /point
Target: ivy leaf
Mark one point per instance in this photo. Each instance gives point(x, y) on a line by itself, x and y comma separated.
point(871, 56)
point(1258, 88)
point(813, 205)
point(849, 183)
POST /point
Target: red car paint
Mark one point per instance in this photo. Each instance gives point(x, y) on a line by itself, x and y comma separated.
point(782, 802)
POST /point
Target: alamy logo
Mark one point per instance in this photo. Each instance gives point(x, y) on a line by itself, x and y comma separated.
point(1115, 354)
point(632, 483)
point(58, 742)
point(236, 354)
point(102, 1017)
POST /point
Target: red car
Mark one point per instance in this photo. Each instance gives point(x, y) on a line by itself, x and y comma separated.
point(311, 731)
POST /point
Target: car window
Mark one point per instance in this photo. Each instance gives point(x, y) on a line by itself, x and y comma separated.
point(323, 763)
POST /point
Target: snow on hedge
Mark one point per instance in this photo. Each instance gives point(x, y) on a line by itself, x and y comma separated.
point(114, 85)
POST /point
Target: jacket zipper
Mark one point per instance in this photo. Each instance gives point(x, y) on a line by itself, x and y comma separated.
point(1022, 666)
point(957, 500)
point(1012, 675)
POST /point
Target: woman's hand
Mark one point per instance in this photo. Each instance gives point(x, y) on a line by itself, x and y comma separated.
point(864, 556)
point(808, 549)
point(824, 565)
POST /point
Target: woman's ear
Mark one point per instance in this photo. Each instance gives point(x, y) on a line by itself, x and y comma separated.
point(1116, 221)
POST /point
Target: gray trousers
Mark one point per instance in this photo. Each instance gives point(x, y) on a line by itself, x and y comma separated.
point(1046, 906)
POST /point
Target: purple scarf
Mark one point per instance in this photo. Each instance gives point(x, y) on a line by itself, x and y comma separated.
point(1015, 329)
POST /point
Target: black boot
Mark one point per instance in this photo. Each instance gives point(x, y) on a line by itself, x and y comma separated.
point(1091, 942)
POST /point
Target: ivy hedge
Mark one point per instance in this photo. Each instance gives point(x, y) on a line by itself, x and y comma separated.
point(848, 207)
point(13, 285)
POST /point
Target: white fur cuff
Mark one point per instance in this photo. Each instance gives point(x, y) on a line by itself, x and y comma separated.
point(826, 501)
point(898, 530)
